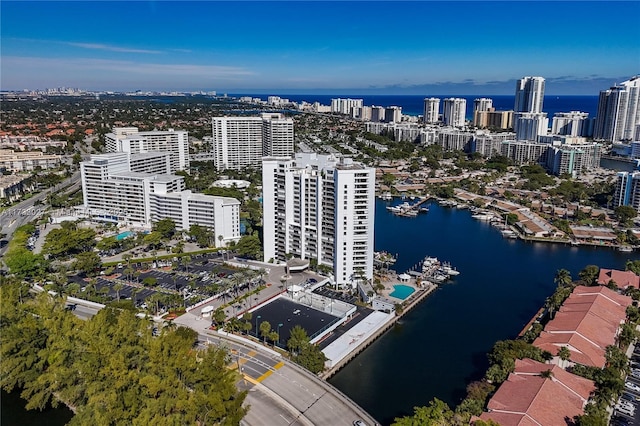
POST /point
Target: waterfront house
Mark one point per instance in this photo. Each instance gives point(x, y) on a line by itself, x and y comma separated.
point(623, 279)
point(586, 324)
point(538, 394)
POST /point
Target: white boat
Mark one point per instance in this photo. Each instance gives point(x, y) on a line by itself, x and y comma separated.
point(439, 277)
point(430, 260)
point(625, 249)
point(424, 209)
point(394, 209)
point(483, 216)
point(449, 270)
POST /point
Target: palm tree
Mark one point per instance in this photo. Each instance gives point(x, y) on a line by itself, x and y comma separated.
point(265, 330)
point(186, 260)
point(564, 353)
point(563, 278)
point(117, 288)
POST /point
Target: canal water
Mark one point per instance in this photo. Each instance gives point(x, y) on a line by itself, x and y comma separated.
point(441, 346)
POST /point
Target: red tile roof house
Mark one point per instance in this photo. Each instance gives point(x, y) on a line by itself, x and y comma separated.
point(587, 322)
point(527, 398)
point(623, 279)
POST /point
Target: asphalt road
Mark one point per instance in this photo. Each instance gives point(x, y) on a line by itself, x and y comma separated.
point(26, 211)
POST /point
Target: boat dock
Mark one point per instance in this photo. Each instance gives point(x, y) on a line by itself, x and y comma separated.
point(410, 210)
point(407, 305)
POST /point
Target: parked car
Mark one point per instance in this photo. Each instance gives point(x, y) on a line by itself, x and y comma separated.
point(632, 386)
point(625, 410)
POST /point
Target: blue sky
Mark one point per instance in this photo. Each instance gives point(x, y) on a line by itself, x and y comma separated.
point(366, 47)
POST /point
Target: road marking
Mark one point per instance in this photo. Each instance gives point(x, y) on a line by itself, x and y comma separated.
point(270, 372)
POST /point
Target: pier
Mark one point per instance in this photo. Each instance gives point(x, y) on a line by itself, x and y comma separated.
point(407, 305)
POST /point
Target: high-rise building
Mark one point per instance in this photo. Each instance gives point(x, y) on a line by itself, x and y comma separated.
point(627, 191)
point(454, 112)
point(431, 110)
point(277, 135)
point(320, 207)
point(529, 125)
point(118, 187)
point(393, 114)
point(129, 139)
point(618, 112)
point(345, 106)
point(529, 95)
point(482, 104)
point(237, 142)
point(377, 113)
point(574, 123)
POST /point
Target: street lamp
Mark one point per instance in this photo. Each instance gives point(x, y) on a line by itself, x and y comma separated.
point(278, 332)
point(257, 318)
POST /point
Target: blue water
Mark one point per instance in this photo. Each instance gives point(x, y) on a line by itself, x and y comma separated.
point(414, 104)
point(123, 235)
point(442, 344)
point(401, 291)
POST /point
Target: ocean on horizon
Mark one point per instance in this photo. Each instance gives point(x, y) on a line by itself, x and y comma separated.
point(413, 104)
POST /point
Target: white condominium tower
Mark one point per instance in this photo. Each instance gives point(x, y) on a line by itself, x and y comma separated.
point(345, 106)
point(529, 95)
point(277, 135)
point(431, 110)
point(237, 142)
point(129, 139)
point(137, 190)
point(454, 112)
point(241, 142)
point(320, 207)
point(618, 114)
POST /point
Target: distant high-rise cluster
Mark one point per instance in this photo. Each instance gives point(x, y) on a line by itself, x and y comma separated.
point(618, 117)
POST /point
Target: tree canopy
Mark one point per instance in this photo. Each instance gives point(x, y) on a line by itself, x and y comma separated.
point(53, 356)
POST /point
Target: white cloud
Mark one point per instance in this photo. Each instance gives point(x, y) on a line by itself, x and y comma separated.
point(99, 46)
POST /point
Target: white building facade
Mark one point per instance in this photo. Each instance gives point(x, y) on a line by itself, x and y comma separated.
point(129, 139)
point(431, 112)
point(618, 114)
point(529, 95)
point(320, 207)
point(277, 135)
point(113, 192)
point(237, 142)
point(454, 112)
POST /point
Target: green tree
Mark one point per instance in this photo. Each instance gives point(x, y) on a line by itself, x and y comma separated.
point(589, 274)
point(564, 353)
point(437, 413)
point(624, 214)
point(88, 262)
point(311, 358)
point(563, 278)
point(249, 246)
point(165, 227)
point(633, 266)
point(297, 339)
point(265, 329)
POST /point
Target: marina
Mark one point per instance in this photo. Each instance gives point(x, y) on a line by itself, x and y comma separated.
point(443, 340)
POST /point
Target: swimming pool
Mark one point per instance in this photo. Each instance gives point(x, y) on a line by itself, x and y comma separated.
point(401, 291)
point(123, 235)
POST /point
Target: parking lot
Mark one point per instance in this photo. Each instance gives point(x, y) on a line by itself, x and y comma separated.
point(626, 410)
point(289, 314)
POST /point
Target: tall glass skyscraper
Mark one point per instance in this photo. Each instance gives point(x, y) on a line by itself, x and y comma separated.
point(529, 95)
point(618, 115)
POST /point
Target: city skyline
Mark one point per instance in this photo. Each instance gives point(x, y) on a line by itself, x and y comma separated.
point(336, 47)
